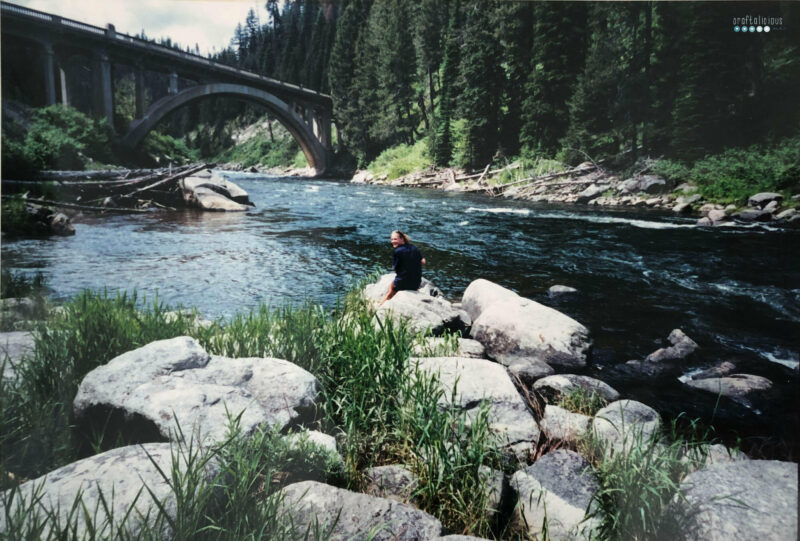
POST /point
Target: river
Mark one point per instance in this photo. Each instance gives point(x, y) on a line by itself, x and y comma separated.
point(735, 291)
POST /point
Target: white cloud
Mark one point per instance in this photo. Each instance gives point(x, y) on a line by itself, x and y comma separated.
point(208, 23)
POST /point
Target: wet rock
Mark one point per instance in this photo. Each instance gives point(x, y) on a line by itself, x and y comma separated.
point(559, 424)
point(552, 388)
point(514, 329)
point(722, 369)
point(479, 381)
point(592, 192)
point(622, 424)
point(717, 215)
point(14, 347)
point(146, 392)
point(558, 290)
point(436, 347)
point(738, 501)
point(705, 221)
point(739, 387)
point(771, 207)
point(754, 215)
point(109, 484)
point(424, 309)
point(760, 200)
point(786, 214)
point(708, 207)
point(392, 482)
point(649, 184)
point(555, 493)
point(682, 208)
point(682, 347)
point(344, 515)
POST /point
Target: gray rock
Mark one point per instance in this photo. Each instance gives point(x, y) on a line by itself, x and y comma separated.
point(705, 221)
point(722, 369)
point(754, 215)
point(495, 490)
point(175, 381)
point(649, 184)
point(423, 309)
point(515, 328)
point(622, 424)
point(344, 515)
point(682, 347)
point(14, 347)
point(762, 199)
point(738, 501)
point(480, 294)
point(682, 208)
point(708, 207)
point(717, 215)
point(553, 387)
point(119, 475)
point(771, 207)
point(559, 424)
point(436, 347)
point(739, 387)
point(786, 214)
point(525, 369)
point(459, 538)
point(392, 482)
point(689, 199)
point(556, 491)
point(479, 381)
point(213, 193)
point(321, 440)
point(590, 193)
point(559, 290)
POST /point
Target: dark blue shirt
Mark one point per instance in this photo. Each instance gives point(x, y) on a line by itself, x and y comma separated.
point(407, 263)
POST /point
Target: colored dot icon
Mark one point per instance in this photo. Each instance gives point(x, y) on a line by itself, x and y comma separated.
point(752, 29)
point(736, 28)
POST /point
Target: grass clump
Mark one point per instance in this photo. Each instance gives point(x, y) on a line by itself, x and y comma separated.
point(259, 149)
point(401, 160)
point(163, 149)
point(580, 400)
point(638, 483)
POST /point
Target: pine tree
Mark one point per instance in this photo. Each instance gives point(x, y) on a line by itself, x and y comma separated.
point(483, 84)
point(558, 57)
point(443, 141)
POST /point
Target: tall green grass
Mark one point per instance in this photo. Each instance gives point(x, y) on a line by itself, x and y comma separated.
point(402, 160)
point(379, 413)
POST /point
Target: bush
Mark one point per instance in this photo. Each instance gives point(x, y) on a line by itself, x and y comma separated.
point(281, 152)
point(402, 160)
point(163, 149)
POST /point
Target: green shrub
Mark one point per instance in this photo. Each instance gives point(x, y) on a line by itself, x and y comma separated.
point(402, 160)
point(163, 149)
point(281, 152)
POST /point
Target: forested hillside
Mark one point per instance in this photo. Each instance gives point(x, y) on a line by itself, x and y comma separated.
point(487, 79)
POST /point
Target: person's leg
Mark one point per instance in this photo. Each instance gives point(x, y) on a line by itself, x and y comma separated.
point(390, 293)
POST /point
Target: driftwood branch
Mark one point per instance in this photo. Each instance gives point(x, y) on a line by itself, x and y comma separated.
point(61, 204)
point(172, 178)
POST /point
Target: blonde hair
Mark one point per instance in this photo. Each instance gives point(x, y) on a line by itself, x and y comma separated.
point(406, 240)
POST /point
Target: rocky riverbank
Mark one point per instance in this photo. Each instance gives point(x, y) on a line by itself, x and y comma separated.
point(515, 370)
point(591, 185)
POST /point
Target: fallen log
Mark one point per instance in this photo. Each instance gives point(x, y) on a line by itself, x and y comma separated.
point(172, 178)
point(62, 204)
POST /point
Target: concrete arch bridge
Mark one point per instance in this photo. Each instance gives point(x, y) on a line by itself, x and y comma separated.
point(187, 77)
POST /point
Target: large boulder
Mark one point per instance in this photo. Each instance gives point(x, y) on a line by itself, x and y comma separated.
point(14, 347)
point(344, 515)
point(738, 501)
point(518, 331)
point(553, 387)
point(592, 192)
point(393, 482)
point(118, 489)
point(148, 392)
point(479, 381)
point(555, 493)
point(424, 309)
point(624, 424)
point(512, 332)
point(213, 193)
point(650, 184)
point(437, 347)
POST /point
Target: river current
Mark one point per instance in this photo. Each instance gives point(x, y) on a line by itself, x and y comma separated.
point(735, 291)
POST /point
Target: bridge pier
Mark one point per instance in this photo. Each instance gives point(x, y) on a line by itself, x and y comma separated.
point(49, 75)
point(139, 90)
point(103, 89)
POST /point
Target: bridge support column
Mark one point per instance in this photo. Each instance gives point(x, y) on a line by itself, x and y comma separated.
point(139, 84)
point(49, 75)
point(325, 130)
point(62, 77)
point(103, 89)
point(173, 83)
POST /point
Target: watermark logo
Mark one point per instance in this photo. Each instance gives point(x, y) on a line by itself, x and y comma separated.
point(757, 24)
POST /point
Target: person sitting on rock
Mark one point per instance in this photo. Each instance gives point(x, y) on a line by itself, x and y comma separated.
point(407, 263)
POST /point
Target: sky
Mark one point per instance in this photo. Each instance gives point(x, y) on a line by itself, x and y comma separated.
point(208, 23)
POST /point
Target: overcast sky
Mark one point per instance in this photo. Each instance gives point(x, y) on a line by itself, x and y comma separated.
point(209, 23)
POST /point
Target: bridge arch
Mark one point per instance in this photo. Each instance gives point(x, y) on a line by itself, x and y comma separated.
point(315, 152)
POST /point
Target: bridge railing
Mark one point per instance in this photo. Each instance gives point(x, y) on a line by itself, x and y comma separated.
point(139, 42)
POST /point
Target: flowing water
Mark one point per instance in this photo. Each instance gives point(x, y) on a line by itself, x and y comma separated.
point(735, 291)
